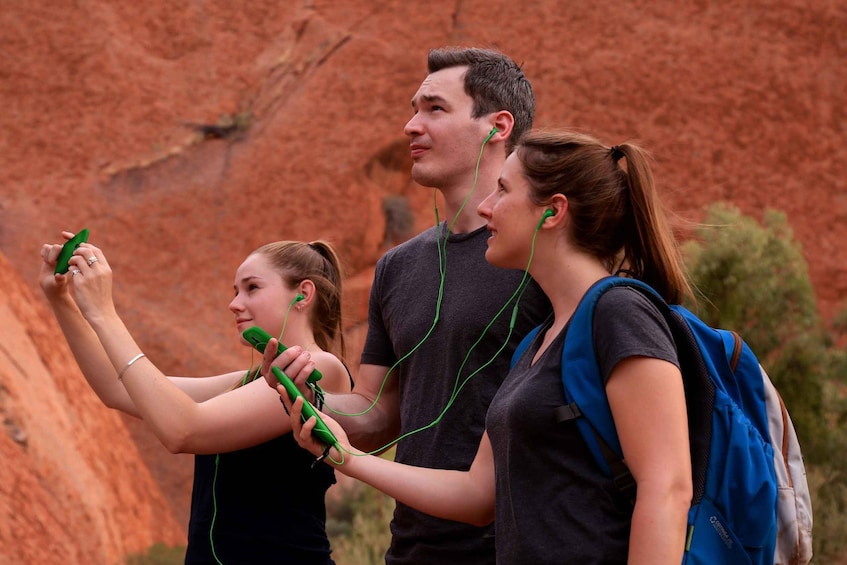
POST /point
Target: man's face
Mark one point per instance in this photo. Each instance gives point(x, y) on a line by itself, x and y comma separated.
point(445, 139)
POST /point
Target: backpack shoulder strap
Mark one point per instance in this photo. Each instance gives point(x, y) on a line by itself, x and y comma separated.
point(584, 386)
point(584, 390)
point(524, 345)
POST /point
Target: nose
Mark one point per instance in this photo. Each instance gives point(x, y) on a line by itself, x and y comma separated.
point(413, 127)
point(235, 305)
point(484, 208)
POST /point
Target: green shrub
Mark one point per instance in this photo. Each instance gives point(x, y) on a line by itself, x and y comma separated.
point(357, 525)
point(753, 279)
point(158, 554)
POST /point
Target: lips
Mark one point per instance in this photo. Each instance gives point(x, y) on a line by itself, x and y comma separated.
point(417, 150)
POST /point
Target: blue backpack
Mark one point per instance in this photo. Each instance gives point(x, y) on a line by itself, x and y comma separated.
point(751, 501)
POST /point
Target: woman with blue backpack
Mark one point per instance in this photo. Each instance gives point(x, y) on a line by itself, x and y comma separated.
point(572, 212)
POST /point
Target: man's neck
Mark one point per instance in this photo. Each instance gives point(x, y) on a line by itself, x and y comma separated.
point(467, 221)
point(457, 201)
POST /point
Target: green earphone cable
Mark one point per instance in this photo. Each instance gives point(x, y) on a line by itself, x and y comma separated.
point(244, 380)
point(255, 375)
point(442, 267)
point(522, 286)
point(214, 509)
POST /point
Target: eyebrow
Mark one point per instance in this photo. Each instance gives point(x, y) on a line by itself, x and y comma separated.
point(245, 280)
point(429, 98)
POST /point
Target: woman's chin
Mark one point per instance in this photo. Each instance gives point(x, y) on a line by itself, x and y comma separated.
point(497, 260)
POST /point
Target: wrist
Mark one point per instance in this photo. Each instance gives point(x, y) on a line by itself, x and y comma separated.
point(60, 301)
point(102, 320)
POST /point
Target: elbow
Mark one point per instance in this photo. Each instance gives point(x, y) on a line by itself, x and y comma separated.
point(683, 495)
point(174, 446)
point(477, 511)
point(176, 441)
point(481, 519)
point(681, 491)
point(675, 494)
point(112, 401)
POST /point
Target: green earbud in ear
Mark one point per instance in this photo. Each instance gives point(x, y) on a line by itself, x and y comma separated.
point(547, 213)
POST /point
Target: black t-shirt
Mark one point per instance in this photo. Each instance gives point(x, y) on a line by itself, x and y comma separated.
point(402, 308)
point(270, 507)
point(554, 505)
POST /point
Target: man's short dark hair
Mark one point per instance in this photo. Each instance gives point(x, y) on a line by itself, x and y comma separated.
point(493, 81)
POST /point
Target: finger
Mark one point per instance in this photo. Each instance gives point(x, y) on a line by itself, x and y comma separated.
point(309, 424)
point(92, 255)
point(300, 376)
point(292, 362)
point(270, 379)
point(286, 400)
point(269, 355)
point(308, 441)
point(50, 253)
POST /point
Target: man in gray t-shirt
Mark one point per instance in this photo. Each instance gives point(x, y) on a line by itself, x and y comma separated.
point(468, 112)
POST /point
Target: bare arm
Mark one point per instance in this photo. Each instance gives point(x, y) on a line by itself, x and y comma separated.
point(464, 496)
point(186, 414)
point(83, 341)
point(370, 413)
point(370, 425)
point(648, 405)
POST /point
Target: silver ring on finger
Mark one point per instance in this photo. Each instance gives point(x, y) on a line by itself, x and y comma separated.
point(74, 272)
point(92, 260)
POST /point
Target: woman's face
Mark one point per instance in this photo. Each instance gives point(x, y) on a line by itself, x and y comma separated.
point(512, 218)
point(261, 297)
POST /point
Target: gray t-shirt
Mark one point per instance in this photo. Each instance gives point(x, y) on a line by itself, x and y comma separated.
point(401, 312)
point(554, 504)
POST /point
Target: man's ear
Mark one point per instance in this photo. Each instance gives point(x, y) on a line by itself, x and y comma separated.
point(503, 122)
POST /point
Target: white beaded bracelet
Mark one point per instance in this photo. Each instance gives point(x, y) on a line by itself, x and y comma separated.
point(129, 364)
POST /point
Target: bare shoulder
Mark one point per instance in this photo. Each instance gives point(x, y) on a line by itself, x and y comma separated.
point(335, 376)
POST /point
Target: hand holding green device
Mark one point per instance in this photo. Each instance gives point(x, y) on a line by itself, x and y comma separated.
point(67, 251)
point(258, 338)
point(320, 431)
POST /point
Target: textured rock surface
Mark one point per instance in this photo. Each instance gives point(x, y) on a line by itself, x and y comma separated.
point(104, 107)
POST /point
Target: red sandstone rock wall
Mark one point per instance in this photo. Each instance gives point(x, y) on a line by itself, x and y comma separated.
point(101, 105)
point(73, 486)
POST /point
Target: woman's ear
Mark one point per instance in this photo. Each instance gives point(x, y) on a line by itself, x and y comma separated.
point(556, 212)
point(308, 290)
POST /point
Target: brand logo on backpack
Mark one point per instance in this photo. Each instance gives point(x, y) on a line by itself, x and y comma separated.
point(716, 524)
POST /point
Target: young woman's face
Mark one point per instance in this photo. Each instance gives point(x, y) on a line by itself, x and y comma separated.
point(512, 218)
point(261, 297)
point(445, 139)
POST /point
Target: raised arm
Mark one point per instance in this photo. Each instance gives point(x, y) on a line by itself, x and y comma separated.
point(186, 414)
point(83, 341)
